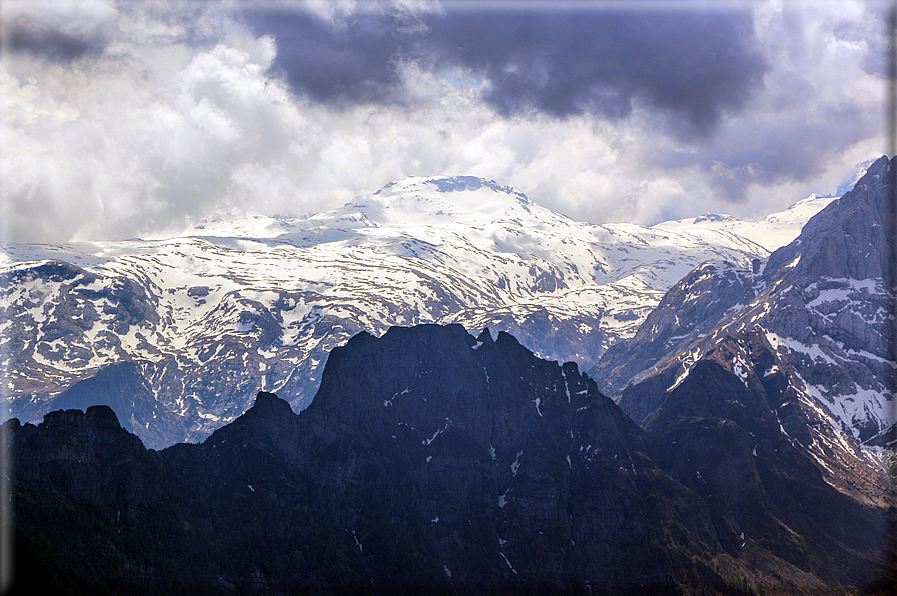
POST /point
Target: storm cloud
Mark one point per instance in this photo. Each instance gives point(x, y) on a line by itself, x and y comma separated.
point(128, 118)
point(696, 66)
point(60, 31)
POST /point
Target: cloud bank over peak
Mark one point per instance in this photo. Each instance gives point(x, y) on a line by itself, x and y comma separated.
point(129, 118)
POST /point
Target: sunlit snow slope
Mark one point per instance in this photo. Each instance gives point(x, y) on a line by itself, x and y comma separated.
point(230, 307)
point(771, 232)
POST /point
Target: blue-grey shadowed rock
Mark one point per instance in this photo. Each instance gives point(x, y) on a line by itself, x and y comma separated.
point(824, 303)
point(769, 388)
point(432, 461)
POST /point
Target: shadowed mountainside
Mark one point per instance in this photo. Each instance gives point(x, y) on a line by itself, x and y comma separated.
point(432, 461)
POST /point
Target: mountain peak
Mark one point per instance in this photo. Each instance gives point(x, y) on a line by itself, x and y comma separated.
point(838, 241)
point(440, 200)
point(848, 182)
point(446, 184)
point(714, 217)
point(486, 336)
point(269, 403)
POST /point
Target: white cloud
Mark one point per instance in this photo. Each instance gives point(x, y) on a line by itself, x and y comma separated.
point(175, 119)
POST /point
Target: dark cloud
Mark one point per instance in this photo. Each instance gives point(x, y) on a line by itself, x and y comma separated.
point(793, 145)
point(349, 62)
point(58, 31)
point(54, 45)
point(695, 66)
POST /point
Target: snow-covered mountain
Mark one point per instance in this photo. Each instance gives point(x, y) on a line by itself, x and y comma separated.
point(812, 332)
point(763, 385)
point(772, 232)
point(184, 331)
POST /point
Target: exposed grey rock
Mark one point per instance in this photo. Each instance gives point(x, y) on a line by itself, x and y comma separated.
point(823, 301)
point(433, 461)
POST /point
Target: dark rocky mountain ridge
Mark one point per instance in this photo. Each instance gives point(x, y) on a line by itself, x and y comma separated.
point(431, 461)
point(813, 326)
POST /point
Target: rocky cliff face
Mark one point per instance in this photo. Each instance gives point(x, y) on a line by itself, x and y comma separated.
point(433, 461)
point(849, 239)
point(814, 324)
point(514, 471)
point(735, 438)
point(692, 308)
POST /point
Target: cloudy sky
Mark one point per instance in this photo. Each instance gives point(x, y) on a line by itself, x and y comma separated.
point(125, 118)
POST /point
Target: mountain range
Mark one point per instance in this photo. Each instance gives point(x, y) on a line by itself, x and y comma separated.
point(812, 330)
point(431, 461)
point(734, 433)
point(181, 333)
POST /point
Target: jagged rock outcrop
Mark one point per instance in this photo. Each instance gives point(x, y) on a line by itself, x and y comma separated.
point(852, 238)
point(721, 436)
point(691, 308)
point(434, 462)
point(516, 456)
point(818, 332)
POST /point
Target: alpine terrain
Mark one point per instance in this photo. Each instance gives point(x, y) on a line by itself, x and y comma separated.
point(433, 461)
point(179, 334)
point(808, 335)
point(734, 433)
